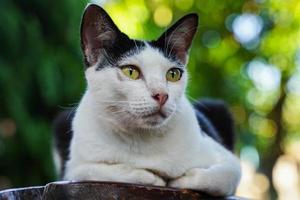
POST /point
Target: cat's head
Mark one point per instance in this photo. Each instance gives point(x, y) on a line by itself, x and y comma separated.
point(138, 83)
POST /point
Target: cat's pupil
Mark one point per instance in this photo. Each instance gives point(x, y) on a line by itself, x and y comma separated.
point(130, 71)
point(173, 74)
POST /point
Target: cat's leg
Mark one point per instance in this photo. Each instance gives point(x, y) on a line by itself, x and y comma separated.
point(113, 172)
point(218, 180)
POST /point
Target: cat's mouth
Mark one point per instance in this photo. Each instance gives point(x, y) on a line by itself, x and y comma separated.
point(158, 113)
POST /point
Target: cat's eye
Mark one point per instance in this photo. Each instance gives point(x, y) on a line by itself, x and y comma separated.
point(131, 71)
point(174, 74)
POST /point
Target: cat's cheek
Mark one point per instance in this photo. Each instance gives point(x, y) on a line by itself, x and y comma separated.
point(119, 77)
point(177, 92)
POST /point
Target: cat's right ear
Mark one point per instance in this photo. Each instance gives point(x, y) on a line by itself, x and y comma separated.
point(98, 32)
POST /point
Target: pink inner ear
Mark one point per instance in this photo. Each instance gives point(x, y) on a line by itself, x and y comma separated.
point(181, 42)
point(92, 44)
point(179, 37)
point(182, 56)
point(97, 32)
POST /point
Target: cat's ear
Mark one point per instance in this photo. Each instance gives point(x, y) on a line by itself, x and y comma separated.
point(98, 32)
point(178, 38)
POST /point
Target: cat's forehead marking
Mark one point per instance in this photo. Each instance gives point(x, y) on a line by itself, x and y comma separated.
point(148, 56)
point(123, 47)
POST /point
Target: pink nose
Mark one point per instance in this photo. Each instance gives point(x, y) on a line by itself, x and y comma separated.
point(160, 98)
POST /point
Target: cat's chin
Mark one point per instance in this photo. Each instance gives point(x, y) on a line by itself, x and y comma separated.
point(154, 121)
point(147, 123)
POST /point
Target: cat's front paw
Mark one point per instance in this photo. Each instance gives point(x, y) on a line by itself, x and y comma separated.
point(141, 176)
point(190, 180)
point(202, 180)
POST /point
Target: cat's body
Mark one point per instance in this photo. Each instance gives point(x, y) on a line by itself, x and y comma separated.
point(133, 125)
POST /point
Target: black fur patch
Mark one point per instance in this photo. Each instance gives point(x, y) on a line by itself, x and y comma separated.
point(216, 121)
point(123, 46)
point(207, 126)
point(62, 136)
point(161, 46)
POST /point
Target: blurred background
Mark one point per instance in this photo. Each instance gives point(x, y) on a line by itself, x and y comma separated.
point(246, 52)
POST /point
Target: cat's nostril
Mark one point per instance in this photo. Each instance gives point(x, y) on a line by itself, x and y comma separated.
point(160, 98)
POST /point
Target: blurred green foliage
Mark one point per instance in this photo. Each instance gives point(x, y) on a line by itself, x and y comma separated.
point(41, 72)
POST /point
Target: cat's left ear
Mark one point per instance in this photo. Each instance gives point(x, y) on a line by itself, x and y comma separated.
point(178, 38)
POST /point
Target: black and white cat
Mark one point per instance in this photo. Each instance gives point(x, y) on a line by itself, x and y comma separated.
point(134, 123)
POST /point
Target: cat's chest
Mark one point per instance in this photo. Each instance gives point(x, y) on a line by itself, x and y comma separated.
point(169, 156)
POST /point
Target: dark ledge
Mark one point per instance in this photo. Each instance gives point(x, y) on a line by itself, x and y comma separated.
point(104, 191)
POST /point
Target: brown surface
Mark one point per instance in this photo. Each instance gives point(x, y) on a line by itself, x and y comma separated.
point(32, 193)
point(103, 191)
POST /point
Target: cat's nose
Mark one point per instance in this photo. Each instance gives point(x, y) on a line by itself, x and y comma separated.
point(161, 98)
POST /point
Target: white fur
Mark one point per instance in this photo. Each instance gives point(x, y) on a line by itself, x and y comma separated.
point(114, 142)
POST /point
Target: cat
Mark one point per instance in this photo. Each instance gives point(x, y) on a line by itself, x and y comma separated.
point(134, 122)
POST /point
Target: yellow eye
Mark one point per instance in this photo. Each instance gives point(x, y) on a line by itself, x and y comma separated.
point(174, 74)
point(131, 71)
